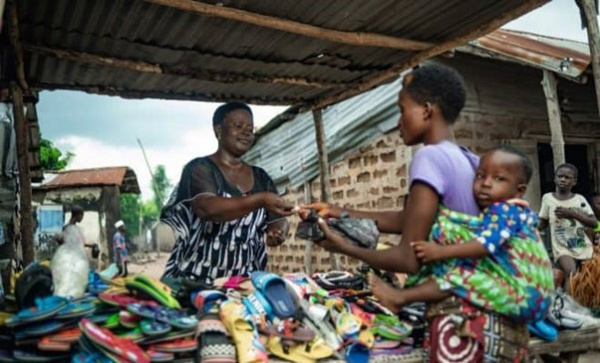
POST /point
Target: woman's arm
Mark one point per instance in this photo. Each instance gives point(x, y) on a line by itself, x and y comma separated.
point(387, 222)
point(220, 209)
point(421, 208)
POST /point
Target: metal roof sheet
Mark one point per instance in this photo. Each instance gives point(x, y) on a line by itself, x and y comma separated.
point(215, 59)
point(566, 57)
point(121, 176)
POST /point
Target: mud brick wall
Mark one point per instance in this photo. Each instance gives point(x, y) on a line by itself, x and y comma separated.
point(373, 178)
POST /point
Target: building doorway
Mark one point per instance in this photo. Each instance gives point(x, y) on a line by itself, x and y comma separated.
point(576, 154)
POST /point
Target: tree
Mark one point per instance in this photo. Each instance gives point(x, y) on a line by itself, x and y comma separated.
point(130, 212)
point(160, 186)
point(51, 158)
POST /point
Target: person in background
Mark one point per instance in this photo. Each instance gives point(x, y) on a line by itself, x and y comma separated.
point(595, 202)
point(120, 248)
point(568, 215)
point(77, 214)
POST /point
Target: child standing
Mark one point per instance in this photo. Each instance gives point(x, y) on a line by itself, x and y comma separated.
point(596, 208)
point(568, 215)
point(506, 268)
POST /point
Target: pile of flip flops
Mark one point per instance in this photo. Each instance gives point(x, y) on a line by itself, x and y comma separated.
point(125, 320)
point(295, 318)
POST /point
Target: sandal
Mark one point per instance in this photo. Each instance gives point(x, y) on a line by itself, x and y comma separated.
point(119, 346)
point(248, 346)
point(214, 342)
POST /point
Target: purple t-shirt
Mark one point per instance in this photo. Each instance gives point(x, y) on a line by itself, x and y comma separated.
point(450, 171)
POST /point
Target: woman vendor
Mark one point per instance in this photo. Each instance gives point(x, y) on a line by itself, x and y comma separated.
point(224, 211)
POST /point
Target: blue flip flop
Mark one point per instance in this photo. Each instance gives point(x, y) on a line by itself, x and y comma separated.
point(274, 289)
point(543, 330)
point(44, 308)
point(76, 310)
point(257, 305)
point(154, 328)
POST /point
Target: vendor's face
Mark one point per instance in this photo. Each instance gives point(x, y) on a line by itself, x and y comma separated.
point(237, 132)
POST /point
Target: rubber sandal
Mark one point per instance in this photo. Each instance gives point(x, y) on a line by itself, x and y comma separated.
point(45, 308)
point(175, 318)
point(117, 299)
point(154, 328)
point(29, 356)
point(176, 346)
point(112, 322)
point(274, 289)
point(107, 340)
point(156, 356)
point(391, 328)
point(214, 342)
point(172, 335)
point(278, 349)
point(76, 310)
point(339, 280)
point(290, 330)
point(43, 328)
point(129, 320)
point(301, 280)
point(146, 287)
point(543, 330)
point(315, 350)
point(347, 325)
point(207, 300)
point(135, 334)
point(239, 283)
point(48, 345)
point(248, 347)
point(258, 307)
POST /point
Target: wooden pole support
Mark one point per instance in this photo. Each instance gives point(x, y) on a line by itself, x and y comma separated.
point(588, 7)
point(557, 142)
point(22, 135)
point(324, 171)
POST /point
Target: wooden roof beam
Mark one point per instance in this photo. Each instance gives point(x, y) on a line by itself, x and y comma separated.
point(145, 67)
point(265, 21)
point(436, 50)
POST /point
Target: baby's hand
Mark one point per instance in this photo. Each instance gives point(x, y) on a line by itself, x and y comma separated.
point(428, 251)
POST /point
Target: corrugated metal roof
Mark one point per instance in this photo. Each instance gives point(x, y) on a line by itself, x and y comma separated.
point(565, 57)
point(207, 57)
point(121, 176)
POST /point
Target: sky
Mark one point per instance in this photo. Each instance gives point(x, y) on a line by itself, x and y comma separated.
point(103, 131)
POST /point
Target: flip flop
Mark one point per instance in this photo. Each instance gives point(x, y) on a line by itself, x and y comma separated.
point(175, 318)
point(302, 281)
point(173, 335)
point(68, 336)
point(45, 308)
point(206, 300)
point(239, 283)
point(46, 344)
point(248, 346)
point(30, 356)
point(214, 342)
point(289, 330)
point(390, 327)
point(107, 340)
point(76, 310)
point(40, 329)
point(176, 346)
point(148, 288)
point(129, 320)
point(117, 299)
point(156, 356)
point(275, 291)
point(112, 322)
point(154, 328)
point(134, 334)
point(258, 307)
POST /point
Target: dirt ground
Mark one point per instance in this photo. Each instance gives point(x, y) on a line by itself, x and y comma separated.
point(156, 268)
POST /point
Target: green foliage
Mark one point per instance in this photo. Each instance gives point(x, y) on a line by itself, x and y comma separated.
point(130, 213)
point(52, 158)
point(160, 186)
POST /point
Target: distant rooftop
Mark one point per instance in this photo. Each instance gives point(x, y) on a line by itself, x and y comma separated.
point(121, 176)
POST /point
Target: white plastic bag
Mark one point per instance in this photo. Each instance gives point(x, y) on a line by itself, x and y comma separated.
point(70, 266)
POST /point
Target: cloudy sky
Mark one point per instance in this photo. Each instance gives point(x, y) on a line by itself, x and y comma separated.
point(103, 131)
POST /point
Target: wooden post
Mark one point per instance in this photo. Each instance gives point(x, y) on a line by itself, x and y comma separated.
point(588, 8)
point(308, 249)
point(22, 135)
point(324, 170)
point(557, 142)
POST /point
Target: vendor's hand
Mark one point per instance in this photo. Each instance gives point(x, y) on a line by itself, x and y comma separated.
point(275, 204)
point(333, 242)
point(428, 251)
point(561, 212)
point(325, 210)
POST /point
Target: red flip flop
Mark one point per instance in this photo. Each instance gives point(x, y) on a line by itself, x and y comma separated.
point(124, 348)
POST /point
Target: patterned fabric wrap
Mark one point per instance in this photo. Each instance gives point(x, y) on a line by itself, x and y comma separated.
point(515, 279)
point(460, 332)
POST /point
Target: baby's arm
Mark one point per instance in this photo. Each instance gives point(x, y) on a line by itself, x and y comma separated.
point(429, 252)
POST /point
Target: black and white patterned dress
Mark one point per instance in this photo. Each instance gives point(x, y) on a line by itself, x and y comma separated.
point(208, 250)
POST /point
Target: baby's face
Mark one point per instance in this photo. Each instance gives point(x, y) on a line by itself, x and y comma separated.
point(499, 177)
